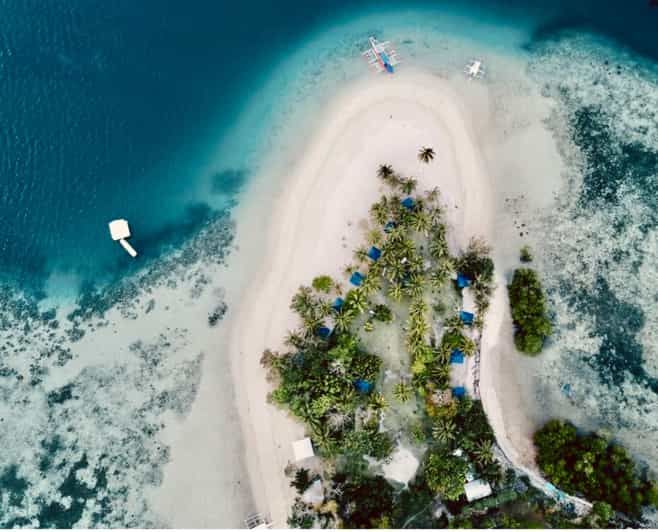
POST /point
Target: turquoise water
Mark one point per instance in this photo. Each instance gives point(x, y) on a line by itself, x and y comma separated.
point(162, 113)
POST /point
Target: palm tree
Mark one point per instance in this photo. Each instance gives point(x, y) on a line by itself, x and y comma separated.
point(387, 175)
point(361, 254)
point(294, 339)
point(371, 284)
point(408, 185)
point(379, 213)
point(377, 401)
point(483, 452)
point(302, 301)
point(421, 222)
point(402, 392)
point(444, 431)
point(369, 325)
point(426, 154)
point(349, 270)
point(344, 319)
point(385, 171)
point(374, 237)
point(357, 301)
point(395, 291)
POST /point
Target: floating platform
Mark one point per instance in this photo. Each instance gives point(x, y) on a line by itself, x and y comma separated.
point(119, 230)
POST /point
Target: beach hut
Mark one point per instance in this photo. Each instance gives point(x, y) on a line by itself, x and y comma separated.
point(408, 203)
point(363, 386)
point(338, 304)
point(374, 253)
point(458, 392)
point(466, 317)
point(456, 357)
point(302, 449)
point(390, 225)
point(323, 332)
point(477, 489)
point(463, 281)
point(356, 279)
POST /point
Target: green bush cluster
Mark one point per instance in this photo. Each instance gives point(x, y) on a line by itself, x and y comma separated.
point(445, 474)
point(589, 465)
point(528, 311)
point(317, 384)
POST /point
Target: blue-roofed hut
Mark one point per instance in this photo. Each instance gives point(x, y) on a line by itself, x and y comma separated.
point(463, 281)
point(466, 317)
point(356, 279)
point(363, 386)
point(324, 332)
point(338, 304)
point(408, 203)
point(458, 392)
point(374, 253)
point(390, 225)
point(456, 357)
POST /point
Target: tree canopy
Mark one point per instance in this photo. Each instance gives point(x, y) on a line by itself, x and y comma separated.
point(589, 465)
point(528, 311)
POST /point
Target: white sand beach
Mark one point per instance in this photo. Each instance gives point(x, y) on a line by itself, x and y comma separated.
point(317, 222)
point(308, 222)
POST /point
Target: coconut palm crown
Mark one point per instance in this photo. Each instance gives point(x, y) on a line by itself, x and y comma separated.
point(426, 154)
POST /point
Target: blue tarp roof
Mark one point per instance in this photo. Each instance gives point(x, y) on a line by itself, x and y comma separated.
point(363, 386)
point(462, 280)
point(408, 203)
point(459, 391)
point(356, 279)
point(324, 332)
point(338, 304)
point(456, 357)
point(374, 253)
point(466, 317)
point(390, 225)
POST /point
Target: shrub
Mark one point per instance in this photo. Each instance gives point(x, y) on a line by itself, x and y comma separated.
point(528, 311)
point(588, 464)
point(323, 283)
point(525, 255)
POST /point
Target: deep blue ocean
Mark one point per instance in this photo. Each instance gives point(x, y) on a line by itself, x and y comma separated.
point(113, 109)
point(160, 111)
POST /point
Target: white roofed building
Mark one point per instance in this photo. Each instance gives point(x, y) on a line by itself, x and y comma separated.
point(477, 489)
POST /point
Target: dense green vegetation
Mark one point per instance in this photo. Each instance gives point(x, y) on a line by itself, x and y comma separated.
point(525, 255)
point(528, 311)
point(589, 465)
point(332, 379)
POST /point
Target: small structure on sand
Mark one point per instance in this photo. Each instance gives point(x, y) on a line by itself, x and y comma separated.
point(323, 332)
point(256, 521)
point(477, 489)
point(120, 231)
point(462, 281)
point(466, 317)
point(356, 279)
point(338, 304)
point(302, 449)
point(374, 253)
point(456, 357)
point(458, 392)
point(408, 203)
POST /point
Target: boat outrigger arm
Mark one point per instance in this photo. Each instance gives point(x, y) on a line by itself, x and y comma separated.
point(381, 56)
